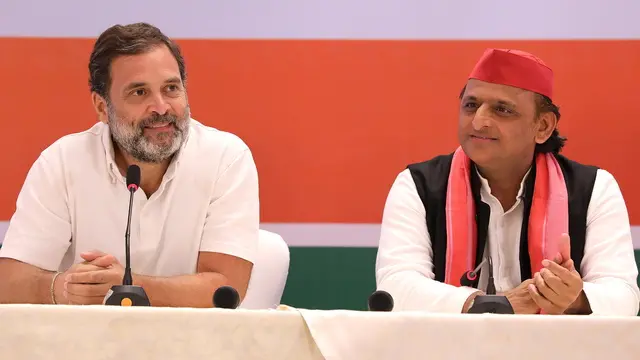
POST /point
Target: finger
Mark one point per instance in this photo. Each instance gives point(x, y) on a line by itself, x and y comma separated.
point(552, 281)
point(569, 265)
point(563, 292)
point(566, 275)
point(565, 247)
point(543, 303)
point(83, 300)
point(544, 289)
point(91, 277)
point(538, 298)
point(87, 289)
point(83, 267)
point(105, 261)
point(89, 256)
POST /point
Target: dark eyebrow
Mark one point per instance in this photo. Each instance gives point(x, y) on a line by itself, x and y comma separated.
point(139, 84)
point(499, 102)
point(134, 85)
point(507, 104)
point(173, 80)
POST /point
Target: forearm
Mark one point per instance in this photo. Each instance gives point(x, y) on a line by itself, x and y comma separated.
point(608, 296)
point(21, 283)
point(182, 291)
point(415, 292)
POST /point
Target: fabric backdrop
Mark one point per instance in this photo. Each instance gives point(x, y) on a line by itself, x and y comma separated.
point(334, 98)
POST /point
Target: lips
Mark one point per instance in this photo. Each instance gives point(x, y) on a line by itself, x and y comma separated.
point(479, 137)
point(159, 126)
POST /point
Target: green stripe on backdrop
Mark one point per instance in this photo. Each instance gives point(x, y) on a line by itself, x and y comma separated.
point(334, 278)
point(330, 277)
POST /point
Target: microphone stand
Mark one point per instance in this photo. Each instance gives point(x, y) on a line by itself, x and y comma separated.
point(491, 303)
point(128, 294)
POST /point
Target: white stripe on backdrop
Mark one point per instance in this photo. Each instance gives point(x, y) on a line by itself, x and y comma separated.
point(331, 19)
point(333, 235)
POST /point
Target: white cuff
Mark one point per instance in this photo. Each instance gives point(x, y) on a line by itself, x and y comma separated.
point(456, 300)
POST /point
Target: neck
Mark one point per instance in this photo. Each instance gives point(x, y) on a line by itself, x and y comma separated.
point(505, 181)
point(152, 173)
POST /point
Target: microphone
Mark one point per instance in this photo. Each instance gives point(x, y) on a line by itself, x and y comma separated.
point(380, 301)
point(491, 284)
point(133, 182)
point(226, 297)
point(470, 278)
point(128, 294)
point(491, 303)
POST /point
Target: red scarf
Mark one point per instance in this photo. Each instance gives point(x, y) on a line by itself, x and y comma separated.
point(548, 218)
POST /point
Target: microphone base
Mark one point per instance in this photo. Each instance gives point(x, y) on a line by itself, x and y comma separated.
point(492, 304)
point(127, 295)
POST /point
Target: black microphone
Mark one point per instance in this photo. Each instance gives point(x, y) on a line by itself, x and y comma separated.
point(226, 297)
point(380, 301)
point(491, 303)
point(491, 284)
point(128, 294)
point(470, 278)
point(133, 183)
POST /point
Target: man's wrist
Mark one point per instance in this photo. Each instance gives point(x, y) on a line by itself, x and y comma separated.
point(469, 302)
point(57, 288)
point(580, 306)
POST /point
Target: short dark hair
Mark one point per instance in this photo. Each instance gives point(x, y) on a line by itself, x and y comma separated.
point(555, 142)
point(132, 39)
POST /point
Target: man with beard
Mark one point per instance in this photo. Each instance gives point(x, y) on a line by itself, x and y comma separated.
point(195, 216)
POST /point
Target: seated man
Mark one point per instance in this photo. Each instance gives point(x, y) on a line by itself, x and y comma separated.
point(557, 231)
point(195, 217)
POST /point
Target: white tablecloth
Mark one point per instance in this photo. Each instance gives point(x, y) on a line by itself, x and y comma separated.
point(97, 332)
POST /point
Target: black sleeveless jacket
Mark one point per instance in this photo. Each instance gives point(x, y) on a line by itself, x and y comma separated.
point(431, 179)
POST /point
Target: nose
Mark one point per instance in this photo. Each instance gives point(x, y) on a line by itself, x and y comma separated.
point(159, 105)
point(482, 118)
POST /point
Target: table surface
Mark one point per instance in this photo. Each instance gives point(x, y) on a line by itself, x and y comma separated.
point(100, 332)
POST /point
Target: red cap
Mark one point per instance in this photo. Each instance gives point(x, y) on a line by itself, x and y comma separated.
point(514, 68)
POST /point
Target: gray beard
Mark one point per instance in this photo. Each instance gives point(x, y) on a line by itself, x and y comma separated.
point(131, 139)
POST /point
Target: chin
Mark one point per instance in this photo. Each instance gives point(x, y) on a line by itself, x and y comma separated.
point(480, 157)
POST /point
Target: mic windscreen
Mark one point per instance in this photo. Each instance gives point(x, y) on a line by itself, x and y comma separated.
point(380, 301)
point(226, 297)
point(133, 177)
point(469, 279)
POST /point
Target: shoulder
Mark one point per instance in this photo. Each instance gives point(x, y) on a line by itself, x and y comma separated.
point(403, 194)
point(601, 181)
point(211, 153)
point(605, 185)
point(207, 142)
point(431, 176)
point(72, 153)
point(575, 170)
point(606, 198)
point(76, 145)
point(437, 163)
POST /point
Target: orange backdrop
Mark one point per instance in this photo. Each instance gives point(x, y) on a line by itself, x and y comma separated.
point(331, 123)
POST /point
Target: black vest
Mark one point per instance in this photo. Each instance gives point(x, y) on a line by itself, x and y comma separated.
point(431, 179)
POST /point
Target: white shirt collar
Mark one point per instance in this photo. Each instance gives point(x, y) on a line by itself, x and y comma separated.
point(485, 183)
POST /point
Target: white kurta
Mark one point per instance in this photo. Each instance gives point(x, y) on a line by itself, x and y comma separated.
point(404, 264)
